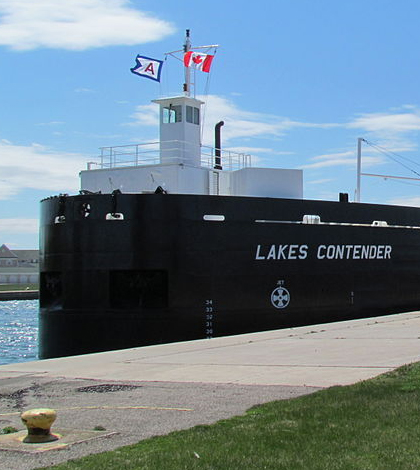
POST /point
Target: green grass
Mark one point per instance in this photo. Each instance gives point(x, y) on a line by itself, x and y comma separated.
point(12, 287)
point(370, 425)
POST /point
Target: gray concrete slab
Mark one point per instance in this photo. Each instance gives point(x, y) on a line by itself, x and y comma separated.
point(316, 356)
point(142, 392)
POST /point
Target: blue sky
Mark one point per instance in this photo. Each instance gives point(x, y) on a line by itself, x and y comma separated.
point(296, 82)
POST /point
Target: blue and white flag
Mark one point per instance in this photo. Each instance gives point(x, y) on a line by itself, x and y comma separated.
point(147, 67)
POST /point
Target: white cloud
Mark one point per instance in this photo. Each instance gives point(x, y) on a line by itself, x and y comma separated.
point(333, 159)
point(76, 24)
point(84, 90)
point(51, 123)
point(387, 122)
point(321, 181)
point(19, 226)
point(346, 158)
point(411, 201)
point(239, 123)
point(244, 124)
point(37, 167)
point(244, 149)
point(397, 130)
point(146, 115)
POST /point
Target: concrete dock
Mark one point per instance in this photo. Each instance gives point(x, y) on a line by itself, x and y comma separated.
point(141, 392)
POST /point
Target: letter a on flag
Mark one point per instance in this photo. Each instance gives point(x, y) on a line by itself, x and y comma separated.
point(147, 67)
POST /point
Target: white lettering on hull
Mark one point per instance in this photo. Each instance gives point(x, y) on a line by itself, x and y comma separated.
point(279, 252)
point(324, 252)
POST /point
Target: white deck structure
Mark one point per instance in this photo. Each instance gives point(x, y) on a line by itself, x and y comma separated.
point(180, 164)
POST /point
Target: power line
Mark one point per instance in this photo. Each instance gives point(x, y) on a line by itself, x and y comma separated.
point(394, 156)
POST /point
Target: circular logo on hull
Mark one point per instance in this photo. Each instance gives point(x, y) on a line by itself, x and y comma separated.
point(280, 297)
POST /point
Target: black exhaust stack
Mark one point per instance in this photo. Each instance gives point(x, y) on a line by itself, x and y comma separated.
point(218, 145)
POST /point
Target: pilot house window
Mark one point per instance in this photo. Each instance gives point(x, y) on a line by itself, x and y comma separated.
point(193, 115)
point(172, 114)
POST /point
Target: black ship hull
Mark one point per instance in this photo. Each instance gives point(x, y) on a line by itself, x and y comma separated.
point(126, 270)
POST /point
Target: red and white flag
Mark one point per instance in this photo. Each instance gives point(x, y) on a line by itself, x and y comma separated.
point(198, 61)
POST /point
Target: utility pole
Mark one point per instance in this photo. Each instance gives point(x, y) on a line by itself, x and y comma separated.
point(359, 166)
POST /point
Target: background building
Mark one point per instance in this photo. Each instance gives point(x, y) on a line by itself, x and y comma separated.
point(18, 266)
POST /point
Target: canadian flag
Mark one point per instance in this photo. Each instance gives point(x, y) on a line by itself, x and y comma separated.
point(198, 61)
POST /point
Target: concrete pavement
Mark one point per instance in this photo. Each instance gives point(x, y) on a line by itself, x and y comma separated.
point(140, 392)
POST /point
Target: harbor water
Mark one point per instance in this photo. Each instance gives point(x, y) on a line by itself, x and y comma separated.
point(18, 331)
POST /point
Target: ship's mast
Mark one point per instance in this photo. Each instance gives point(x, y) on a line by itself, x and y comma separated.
point(187, 47)
point(359, 167)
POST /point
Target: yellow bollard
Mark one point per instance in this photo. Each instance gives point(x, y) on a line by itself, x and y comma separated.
point(39, 422)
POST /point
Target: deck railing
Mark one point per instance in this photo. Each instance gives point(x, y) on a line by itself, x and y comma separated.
point(121, 156)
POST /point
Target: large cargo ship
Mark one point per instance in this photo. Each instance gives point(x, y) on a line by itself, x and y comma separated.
point(199, 243)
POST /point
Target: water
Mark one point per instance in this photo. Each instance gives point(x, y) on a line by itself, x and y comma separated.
point(18, 331)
